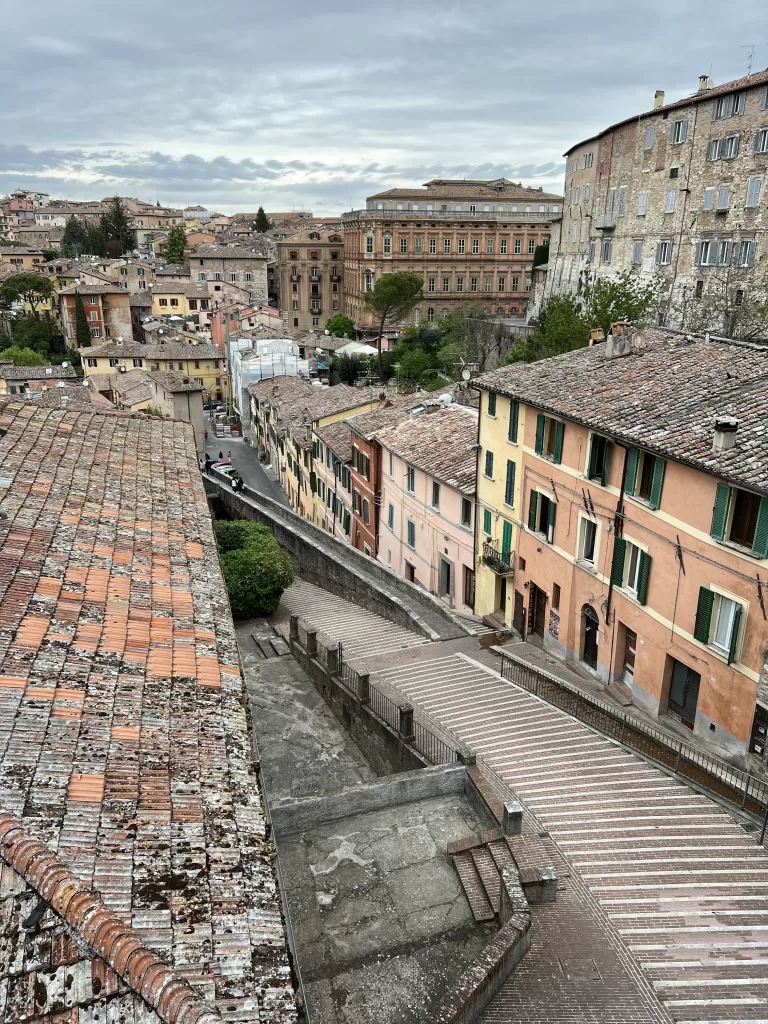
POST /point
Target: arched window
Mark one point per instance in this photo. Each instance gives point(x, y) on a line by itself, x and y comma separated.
point(430, 314)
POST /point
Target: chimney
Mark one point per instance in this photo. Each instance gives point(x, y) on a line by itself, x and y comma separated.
point(618, 342)
point(703, 83)
point(725, 433)
point(658, 99)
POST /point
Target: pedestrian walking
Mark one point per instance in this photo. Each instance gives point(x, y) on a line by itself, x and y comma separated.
point(221, 456)
point(229, 455)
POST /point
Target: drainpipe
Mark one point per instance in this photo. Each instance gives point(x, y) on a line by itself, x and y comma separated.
point(618, 523)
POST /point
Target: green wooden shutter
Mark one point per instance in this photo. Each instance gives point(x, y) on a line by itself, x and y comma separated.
point(591, 467)
point(720, 511)
point(491, 403)
point(617, 565)
point(551, 513)
point(629, 483)
point(540, 419)
point(533, 508)
point(347, 519)
point(559, 433)
point(506, 541)
point(514, 413)
point(487, 521)
point(703, 615)
point(657, 482)
point(642, 577)
point(509, 491)
point(489, 463)
point(734, 635)
point(760, 542)
point(604, 465)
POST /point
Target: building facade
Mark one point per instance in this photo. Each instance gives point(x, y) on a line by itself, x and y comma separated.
point(426, 530)
point(230, 272)
point(203, 364)
point(107, 309)
point(472, 242)
point(311, 272)
point(675, 194)
point(332, 455)
point(632, 532)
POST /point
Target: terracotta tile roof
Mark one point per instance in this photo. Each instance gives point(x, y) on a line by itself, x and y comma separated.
point(496, 189)
point(368, 423)
point(36, 372)
point(94, 287)
point(664, 398)
point(159, 350)
point(87, 951)
point(438, 443)
point(124, 742)
point(338, 437)
point(207, 251)
point(301, 402)
point(172, 381)
point(71, 394)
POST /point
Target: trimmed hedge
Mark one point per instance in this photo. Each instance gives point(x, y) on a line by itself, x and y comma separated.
point(255, 570)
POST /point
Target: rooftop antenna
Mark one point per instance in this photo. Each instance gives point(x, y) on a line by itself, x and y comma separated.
point(750, 58)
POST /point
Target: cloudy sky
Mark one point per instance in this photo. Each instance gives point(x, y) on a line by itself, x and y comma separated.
point(316, 104)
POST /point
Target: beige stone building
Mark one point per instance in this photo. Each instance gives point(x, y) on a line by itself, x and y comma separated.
point(677, 191)
point(231, 272)
point(470, 241)
point(311, 268)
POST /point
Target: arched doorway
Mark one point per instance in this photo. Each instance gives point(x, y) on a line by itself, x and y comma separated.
point(591, 626)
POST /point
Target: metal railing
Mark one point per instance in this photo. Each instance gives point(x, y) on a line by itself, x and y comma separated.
point(413, 726)
point(500, 562)
point(706, 770)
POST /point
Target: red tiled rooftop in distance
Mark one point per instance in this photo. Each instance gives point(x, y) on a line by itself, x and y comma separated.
point(124, 745)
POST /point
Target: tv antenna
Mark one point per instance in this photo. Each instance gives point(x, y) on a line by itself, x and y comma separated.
point(750, 58)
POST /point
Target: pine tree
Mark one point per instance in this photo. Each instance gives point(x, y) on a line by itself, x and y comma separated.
point(74, 239)
point(82, 330)
point(262, 222)
point(117, 228)
point(175, 245)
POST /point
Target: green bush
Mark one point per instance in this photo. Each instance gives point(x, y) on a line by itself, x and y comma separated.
point(255, 570)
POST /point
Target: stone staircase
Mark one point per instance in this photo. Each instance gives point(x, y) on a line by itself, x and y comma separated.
point(361, 633)
point(480, 859)
point(269, 644)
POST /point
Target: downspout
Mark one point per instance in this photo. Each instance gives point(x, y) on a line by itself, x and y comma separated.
point(478, 557)
point(618, 524)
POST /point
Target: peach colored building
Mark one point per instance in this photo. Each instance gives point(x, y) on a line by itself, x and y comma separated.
point(636, 526)
point(426, 525)
point(471, 242)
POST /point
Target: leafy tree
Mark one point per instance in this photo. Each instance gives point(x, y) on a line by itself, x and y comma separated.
point(262, 222)
point(414, 362)
point(392, 299)
point(175, 244)
point(625, 297)
point(729, 305)
point(471, 335)
point(119, 234)
point(82, 330)
point(95, 243)
point(23, 356)
point(341, 326)
point(560, 327)
point(29, 288)
point(74, 239)
point(255, 570)
point(50, 254)
point(349, 368)
point(41, 334)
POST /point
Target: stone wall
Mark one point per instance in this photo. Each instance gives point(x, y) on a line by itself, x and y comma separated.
point(340, 569)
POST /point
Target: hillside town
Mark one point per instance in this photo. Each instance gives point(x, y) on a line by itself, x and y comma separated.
point(385, 595)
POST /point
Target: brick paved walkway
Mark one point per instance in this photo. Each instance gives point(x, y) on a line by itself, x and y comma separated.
point(683, 886)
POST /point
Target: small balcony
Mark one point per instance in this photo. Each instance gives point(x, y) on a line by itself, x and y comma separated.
point(605, 222)
point(499, 562)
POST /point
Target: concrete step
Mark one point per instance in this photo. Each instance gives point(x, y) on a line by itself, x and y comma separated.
point(502, 858)
point(489, 875)
point(279, 646)
point(473, 887)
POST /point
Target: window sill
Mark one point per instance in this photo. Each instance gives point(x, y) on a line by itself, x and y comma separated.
point(491, 478)
point(739, 549)
point(587, 566)
point(508, 505)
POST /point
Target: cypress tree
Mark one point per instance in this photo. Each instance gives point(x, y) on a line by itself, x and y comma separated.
point(82, 330)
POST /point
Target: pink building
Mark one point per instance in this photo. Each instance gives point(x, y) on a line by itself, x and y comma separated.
point(426, 531)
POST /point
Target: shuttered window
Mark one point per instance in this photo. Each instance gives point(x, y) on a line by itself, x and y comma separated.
point(509, 487)
point(492, 403)
point(542, 512)
point(411, 534)
point(489, 464)
point(506, 542)
point(487, 520)
point(550, 434)
point(598, 458)
point(631, 569)
point(718, 623)
point(514, 412)
point(645, 476)
point(741, 517)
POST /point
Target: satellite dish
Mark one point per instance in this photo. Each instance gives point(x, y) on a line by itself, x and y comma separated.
point(465, 374)
point(119, 339)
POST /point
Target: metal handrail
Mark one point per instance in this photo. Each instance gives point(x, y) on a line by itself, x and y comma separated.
point(706, 770)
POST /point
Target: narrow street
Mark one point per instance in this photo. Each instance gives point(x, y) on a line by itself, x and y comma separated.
point(245, 460)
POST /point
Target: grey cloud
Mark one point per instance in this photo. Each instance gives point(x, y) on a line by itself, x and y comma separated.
point(320, 102)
